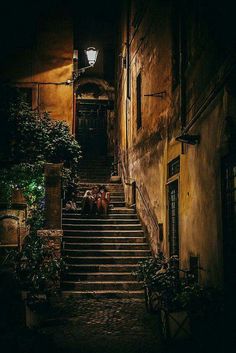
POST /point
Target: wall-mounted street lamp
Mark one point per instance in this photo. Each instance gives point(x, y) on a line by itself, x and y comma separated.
point(189, 139)
point(91, 54)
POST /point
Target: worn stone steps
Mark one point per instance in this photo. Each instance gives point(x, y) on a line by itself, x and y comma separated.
point(90, 268)
point(119, 216)
point(111, 294)
point(101, 253)
point(101, 240)
point(91, 227)
point(115, 203)
point(98, 221)
point(105, 246)
point(107, 252)
point(99, 276)
point(102, 285)
point(113, 199)
point(112, 211)
point(112, 187)
point(123, 260)
point(114, 232)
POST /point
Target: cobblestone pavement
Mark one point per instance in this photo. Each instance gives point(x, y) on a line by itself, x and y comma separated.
point(108, 326)
point(90, 326)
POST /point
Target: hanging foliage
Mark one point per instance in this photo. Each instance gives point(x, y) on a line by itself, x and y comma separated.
point(32, 139)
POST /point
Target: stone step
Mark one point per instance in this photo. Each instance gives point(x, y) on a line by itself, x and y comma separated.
point(88, 268)
point(114, 203)
point(122, 260)
point(110, 186)
point(95, 176)
point(89, 227)
point(100, 181)
point(94, 285)
point(101, 240)
point(111, 216)
point(106, 294)
point(99, 221)
point(114, 198)
point(104, 252)
point(98, 168)
point(117, 233)
point(98, 276)
point(112, 211)
point(105, 246)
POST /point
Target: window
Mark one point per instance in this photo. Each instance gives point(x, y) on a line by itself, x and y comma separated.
point(139, 100)
point(173, 167)
point(173, 218)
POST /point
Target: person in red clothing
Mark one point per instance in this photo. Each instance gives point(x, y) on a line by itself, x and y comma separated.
point(103, 200)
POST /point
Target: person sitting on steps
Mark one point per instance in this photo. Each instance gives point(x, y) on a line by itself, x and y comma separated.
point(103, 200)
point(89, 205)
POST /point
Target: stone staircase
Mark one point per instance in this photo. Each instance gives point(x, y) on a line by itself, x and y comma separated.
point(101, 253)
point(95, 170)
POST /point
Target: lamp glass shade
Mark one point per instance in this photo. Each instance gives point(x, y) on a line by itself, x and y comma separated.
point(91, 54)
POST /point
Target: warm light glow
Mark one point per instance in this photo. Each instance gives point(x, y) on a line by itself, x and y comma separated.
point(92, 54)
point(75, 55)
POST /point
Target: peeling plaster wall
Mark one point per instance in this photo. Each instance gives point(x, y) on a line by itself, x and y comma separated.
point(145, 153)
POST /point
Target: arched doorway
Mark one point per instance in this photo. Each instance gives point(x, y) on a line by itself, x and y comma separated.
point(94, 128)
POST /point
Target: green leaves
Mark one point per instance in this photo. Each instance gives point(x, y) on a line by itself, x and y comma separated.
point(37, 268)
point(34, 137)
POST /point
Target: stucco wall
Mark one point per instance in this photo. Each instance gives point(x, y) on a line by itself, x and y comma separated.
point(45, 64)
point(146, 154)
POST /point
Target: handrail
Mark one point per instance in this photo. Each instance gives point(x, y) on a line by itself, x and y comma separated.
point(147, 207)
point(130, 182)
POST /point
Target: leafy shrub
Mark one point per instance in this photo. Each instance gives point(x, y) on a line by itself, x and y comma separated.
point(36, 266)
point(176, 287)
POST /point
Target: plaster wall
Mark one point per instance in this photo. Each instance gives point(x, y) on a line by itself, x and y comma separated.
point(45, 66)
point(146, 152)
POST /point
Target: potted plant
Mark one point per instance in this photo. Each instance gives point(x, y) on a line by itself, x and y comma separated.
point(147, 274)
point(204, 306)
point(185, 308)
point(37, 270)
point(162, 283)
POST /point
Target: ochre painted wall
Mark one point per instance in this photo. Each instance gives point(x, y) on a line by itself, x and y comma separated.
point(145, 153)
point(44, 65)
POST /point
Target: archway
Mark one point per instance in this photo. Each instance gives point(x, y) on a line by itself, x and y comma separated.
point(94, 118)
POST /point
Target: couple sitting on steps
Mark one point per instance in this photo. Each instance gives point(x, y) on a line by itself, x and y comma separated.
point(96, 201)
